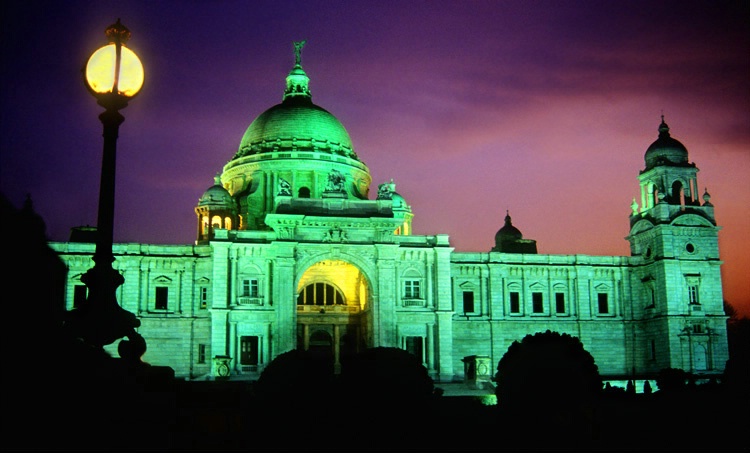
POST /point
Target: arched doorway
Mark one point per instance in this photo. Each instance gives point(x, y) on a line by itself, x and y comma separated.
point(321, 345)
point(332, 308)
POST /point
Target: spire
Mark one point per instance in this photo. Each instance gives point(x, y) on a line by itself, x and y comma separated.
point(297, 81)
point(663, 128)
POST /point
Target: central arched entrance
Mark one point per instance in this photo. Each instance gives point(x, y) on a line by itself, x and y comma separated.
point(332, 310)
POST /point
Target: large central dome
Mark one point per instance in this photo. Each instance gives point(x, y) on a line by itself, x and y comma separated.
point(296, 124)
point(294, 150)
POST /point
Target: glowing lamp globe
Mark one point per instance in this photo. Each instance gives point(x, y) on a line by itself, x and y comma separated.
point(114, 71)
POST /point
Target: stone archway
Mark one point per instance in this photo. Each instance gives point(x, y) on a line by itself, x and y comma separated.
point(333, 299)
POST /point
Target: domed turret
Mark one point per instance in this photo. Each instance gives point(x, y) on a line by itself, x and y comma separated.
point(216, 196)
point(216, 209)
point(387, 191)
point(665, 150)
point(509, 239)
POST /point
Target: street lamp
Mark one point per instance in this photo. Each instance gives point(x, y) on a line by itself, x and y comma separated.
point(114, 75)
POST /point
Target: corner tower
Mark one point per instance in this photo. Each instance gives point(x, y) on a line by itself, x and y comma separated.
point(674, 241)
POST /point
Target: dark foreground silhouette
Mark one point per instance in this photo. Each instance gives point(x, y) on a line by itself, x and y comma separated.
point(61, 395)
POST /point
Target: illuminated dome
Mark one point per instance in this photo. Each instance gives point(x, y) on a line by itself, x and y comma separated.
point(216, 196)
point(295, 150)
point(296, 124)
point(665, 150)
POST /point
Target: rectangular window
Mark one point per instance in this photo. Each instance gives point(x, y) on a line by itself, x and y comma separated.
point(414, 346)
point(653, 349)
point(468, 302)
point(201, 353)
point(693, 294)
point(203, 297)
point(162, 296)
point(603, 301)
point(411, 290)
point(250, 288)
point(515, 303)
point(560, 303)
point(79, 295)
point(537, 302)
point(249, 350)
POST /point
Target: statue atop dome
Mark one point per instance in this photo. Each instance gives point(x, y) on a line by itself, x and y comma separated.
point(298, 45)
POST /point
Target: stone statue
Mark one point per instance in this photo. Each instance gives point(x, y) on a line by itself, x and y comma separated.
point(385, 190)
point(298, 45)
point(335, 182)
point(284, 188)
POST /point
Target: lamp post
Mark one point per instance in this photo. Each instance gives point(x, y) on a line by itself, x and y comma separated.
point(114, 75)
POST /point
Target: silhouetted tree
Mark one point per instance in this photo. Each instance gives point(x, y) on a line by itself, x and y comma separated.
point(647, 387)
point(548, 384)
point(547, 367)
point(737, 370)
point(671, 380)
point(293, 377)
point(386, 374)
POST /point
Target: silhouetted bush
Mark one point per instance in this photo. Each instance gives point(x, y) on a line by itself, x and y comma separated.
point(548, 384)
point(293, 377)
point(547, 368)
point(671, 380)
point(387, 373)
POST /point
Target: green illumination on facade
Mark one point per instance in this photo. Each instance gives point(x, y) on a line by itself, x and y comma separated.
point(291, 215)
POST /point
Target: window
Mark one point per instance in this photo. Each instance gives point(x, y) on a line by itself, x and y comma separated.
point(320, 294)
point(537, 302)
point(249, 350)
point(162, 297)
point(414, 345)
point(411, 289)
point(693, 293)
point(515, 303)
point(653, 349)
point(468, 302)
point(693, 288)
point(603, 301)
point(79, 295)
point(560, 303)
point(203, 297)
point(250, 288)
point(201, 353)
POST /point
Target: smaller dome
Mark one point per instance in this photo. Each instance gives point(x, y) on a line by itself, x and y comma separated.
point(507, 232)
point(665, 150)
point(216, 196)
point(398, 201)
point(387, 191)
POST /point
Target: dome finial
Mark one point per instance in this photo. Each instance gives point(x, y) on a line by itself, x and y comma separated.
point(663, 127)
point(297, 82)
point(298, 45)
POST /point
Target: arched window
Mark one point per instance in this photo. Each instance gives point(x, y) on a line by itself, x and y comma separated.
point(678, 194)
point(320, 294)
point(303, 193)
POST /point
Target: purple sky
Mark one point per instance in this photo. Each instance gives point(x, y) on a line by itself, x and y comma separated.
point(472, 107)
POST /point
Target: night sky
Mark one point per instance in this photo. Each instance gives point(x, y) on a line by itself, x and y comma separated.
point(542, 108)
